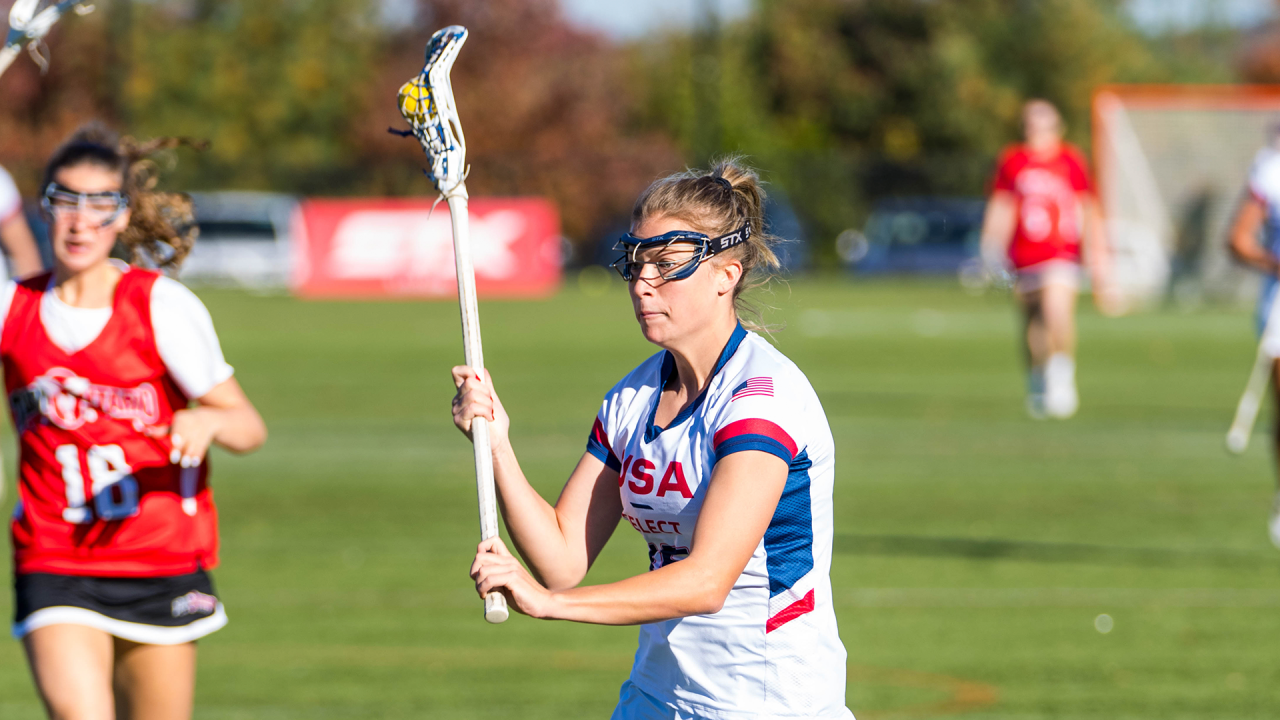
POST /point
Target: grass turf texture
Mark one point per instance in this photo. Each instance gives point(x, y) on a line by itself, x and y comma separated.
point(975, 548)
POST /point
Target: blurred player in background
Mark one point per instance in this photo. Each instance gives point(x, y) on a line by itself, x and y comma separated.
point(1255, 241)
point(718, 452)
point(1041, 210)
point(19, 244)
point(115, 526)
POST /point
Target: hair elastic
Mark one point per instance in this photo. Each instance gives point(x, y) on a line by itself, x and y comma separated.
point(724, 182)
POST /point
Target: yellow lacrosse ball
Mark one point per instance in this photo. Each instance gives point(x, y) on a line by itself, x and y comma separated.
point(415, 99)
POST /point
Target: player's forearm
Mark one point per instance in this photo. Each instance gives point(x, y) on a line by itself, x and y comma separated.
point(533, 525)
point(26, 261)
point(240, 429)
point(681, 589)
point(21, 246)
point(1244, 238)
point(997, 227)
point(1097, 247)
point(1247, 251)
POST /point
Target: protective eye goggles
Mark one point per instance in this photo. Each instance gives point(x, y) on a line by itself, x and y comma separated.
point(676, 267)
point(101, 207)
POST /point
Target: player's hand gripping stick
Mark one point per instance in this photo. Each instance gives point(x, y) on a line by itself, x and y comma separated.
point(427, 104)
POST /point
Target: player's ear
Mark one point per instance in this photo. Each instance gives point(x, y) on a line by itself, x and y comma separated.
point(730, 271)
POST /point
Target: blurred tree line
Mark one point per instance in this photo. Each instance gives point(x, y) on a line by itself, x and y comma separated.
point(845, 101)
point(840, 101)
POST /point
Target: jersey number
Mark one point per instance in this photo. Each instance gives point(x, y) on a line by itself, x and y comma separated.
point(661, 554)
point(114, 489)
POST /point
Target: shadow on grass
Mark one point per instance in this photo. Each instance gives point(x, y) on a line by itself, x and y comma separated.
point(1047, 552)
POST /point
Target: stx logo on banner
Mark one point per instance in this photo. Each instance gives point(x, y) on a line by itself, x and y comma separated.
point(386, 247)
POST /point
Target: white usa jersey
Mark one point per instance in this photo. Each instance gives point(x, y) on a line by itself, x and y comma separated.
point(1264, 186)
point(773, 650)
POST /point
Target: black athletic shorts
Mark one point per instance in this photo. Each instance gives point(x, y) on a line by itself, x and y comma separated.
point(155, 610)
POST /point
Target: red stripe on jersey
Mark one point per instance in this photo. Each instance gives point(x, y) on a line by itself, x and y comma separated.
point(755, 426)
point(791, 612)
point(597, 432)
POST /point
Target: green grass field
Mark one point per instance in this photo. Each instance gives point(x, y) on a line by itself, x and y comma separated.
point(975, 548)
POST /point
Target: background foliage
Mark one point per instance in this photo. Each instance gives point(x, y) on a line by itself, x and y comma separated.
point(841, 101)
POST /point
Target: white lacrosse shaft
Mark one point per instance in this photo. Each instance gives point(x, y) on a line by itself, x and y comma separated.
point(7, 55)
point(495, 605)
point(1259, 379)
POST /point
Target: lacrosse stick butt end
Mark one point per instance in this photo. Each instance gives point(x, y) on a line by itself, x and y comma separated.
point(1237, 441)
point(495, 608)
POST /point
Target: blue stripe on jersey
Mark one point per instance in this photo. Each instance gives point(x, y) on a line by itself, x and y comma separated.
point(651, 430)
point(788, 543)
point(603, 454)
point(763, 443)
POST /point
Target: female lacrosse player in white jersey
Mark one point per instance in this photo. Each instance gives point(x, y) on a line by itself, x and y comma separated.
point(718, 452)
point(1255, 241)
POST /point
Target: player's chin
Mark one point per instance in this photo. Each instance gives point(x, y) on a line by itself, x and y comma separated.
point(655, 326)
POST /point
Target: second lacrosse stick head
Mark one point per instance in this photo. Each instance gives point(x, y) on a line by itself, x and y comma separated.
point(426, 102)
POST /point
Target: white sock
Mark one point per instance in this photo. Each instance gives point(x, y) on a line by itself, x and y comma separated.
point(1060, 397)
point(1061, 368)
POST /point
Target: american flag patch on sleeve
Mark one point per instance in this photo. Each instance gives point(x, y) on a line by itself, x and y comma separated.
point(754, 387)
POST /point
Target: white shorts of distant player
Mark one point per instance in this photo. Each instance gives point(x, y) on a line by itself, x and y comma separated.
point(1050, 272)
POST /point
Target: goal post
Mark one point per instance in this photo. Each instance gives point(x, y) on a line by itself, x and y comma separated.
point(1171, 164)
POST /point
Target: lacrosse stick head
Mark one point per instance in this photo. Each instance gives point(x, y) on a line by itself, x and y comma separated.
point(29, 27)
point(22, 12)
point(19, 16)
point(427, 104)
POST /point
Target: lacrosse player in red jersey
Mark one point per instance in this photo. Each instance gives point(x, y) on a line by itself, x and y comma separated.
point(1041, 210)
point(114, 530)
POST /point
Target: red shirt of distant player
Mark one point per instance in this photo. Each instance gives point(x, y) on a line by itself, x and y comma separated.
point(98, 496)
point(1048, 192)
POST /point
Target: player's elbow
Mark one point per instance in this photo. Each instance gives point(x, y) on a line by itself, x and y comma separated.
point(251, 435)
point(707, 601)
point(707, 595)
point(1239, 246)
point(560, 580)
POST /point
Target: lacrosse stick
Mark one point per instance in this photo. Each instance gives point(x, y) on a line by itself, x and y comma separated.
point(27, 27)
point(1251, 401)
point(427, 104)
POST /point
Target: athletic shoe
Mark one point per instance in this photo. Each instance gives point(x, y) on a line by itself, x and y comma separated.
point(1060, 398)
point(1035, 394)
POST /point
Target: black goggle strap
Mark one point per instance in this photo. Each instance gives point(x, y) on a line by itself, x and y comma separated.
point(733, 239)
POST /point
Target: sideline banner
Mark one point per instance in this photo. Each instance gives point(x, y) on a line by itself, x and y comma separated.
point(400, 247)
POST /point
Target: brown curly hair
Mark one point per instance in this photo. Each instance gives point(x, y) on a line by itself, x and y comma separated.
point(162, 227)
